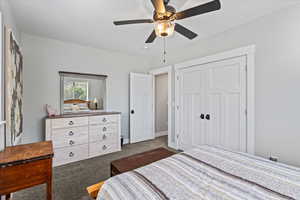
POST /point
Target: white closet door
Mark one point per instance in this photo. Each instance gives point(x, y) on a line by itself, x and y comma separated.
point(192, 98)
point(226, 104)
point(141, 102)
point(212, 105)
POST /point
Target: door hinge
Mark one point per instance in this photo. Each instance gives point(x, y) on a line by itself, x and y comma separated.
point(246, 112)
point(177, 78)
point(177, 107)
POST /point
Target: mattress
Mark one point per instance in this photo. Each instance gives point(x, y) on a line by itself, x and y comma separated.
point(208, 173)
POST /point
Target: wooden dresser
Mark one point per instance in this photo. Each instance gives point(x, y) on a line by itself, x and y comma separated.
point(25, 166)
point(78, 137)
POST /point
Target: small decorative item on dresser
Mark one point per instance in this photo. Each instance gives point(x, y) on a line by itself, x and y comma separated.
point(51, 111)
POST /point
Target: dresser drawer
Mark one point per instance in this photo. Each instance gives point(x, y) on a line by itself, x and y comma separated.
point(69, 122)
point(103, 147)
point(109, 128)
point(107, 137)
point(104, 119)
point(69, 137)
point(70, 154)
point(103, 133)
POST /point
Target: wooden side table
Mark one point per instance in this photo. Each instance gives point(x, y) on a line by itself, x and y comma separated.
point(26, 166)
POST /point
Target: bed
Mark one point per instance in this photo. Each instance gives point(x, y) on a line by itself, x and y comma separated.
point(208, 173)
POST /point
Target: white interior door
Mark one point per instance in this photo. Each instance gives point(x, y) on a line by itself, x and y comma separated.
point(213, 104)
point(141, 104)
point(226, 104)
point(192, 97)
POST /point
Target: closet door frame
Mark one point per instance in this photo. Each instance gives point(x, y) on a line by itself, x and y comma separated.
point(249, 53)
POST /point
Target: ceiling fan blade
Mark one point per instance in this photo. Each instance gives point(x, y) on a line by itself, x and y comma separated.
point(151, 38)
point(136, 21)
point(198, 10)
point(185, 32)
point(159, 6)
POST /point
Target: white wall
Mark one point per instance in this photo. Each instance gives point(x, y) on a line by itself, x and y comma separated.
point(45, 57)
point(8, 18)
point(277, 39)
point(161, 103)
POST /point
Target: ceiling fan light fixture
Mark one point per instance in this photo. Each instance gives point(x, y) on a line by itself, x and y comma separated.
point(164, 28)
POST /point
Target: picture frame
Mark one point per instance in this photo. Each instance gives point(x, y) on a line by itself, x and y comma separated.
point(13, 69)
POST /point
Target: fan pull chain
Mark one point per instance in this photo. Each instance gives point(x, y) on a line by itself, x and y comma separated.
point(165, 52)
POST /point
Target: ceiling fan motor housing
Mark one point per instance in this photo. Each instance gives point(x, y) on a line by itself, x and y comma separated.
point(168, 15)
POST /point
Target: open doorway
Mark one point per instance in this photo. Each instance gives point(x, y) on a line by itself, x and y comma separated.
point(161, 105)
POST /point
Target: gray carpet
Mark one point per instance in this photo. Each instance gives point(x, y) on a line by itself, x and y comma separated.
point(70, 181)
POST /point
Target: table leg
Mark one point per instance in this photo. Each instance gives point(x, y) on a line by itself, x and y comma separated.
point(49, 190)
point(7, 197)
point(49, 181)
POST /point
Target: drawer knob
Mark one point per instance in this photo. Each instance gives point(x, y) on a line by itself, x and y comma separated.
point(71, 123)
point(104, 120)
point(71, 154)
point(104, 137)
point(71, 133)
point(71, 142)
point(104, 147)
point(104, 129)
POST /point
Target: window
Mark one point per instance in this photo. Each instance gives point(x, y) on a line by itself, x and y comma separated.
point(76, 89)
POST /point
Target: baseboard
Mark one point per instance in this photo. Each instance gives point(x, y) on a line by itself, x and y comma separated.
point(161, 133)
point(126, 141)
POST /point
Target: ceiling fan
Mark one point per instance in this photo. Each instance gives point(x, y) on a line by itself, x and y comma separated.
point(165, 15)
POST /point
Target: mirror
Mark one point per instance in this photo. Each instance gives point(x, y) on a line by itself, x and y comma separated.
point(82, 92)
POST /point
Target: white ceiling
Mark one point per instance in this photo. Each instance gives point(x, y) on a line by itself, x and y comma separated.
point(89, 22)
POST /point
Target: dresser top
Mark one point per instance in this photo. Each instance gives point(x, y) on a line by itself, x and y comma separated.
point(26, 153)
point(83, 115)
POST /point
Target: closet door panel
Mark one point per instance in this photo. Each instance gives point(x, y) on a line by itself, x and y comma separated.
point(232, 121)
point(186, 136)
point(199, 133)
point(227, 102)
point(215, 125)
point(193, 84)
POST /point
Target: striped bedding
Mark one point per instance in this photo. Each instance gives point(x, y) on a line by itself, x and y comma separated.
point(208, 173)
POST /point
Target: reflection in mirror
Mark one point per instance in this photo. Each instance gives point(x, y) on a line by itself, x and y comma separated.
point(82, 92)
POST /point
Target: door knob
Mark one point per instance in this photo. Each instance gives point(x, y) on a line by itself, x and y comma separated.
point(207, 117)
point(132, 112)
point(202, 116)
